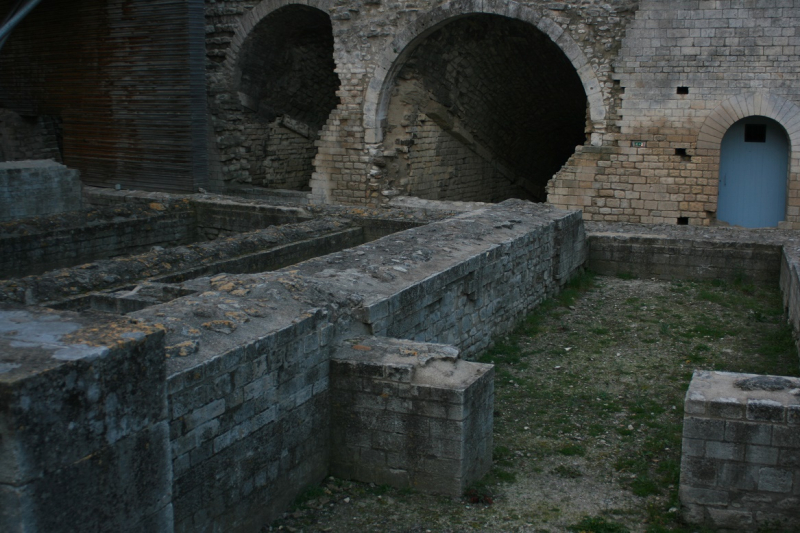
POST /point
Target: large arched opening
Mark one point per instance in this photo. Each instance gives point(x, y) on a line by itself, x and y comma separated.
point(287, 86)
point(483, 108)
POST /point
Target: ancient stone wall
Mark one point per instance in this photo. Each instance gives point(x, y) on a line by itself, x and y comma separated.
point(29, 247)
point(687, 71)
point(740, 463)
point(371, 43)
point(267, 112)
point(411, 415)
point(249, 374)
point(26, 138)
point(36, 188)
point(83, 410)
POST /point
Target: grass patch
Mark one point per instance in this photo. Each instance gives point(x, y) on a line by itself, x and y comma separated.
point(572, 450)
point(597, 524)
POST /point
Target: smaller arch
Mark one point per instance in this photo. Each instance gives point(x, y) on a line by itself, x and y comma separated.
point(376, 99)
point(249, 21)
point(736, 108)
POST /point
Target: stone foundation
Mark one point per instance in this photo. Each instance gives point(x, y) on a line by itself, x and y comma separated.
point(83, 413)
point(248, 385)
point(740, 466)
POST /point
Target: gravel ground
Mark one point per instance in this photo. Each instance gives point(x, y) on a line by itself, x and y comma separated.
point(588, 411)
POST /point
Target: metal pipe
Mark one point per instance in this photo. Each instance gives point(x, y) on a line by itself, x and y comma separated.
point(15, 19)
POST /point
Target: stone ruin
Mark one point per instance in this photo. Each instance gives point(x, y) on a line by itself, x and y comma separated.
point(217, 355)
point(162, 391)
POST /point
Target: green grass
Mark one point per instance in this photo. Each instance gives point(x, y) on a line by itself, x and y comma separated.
point(597, 524)
point(646, 413)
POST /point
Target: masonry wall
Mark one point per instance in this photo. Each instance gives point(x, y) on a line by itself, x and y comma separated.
point(740, 464)
point(29, 137)
point(35, 247)
point(249, 358)
point(656, 256)
point(430, 162)
point(735, 59)
point(410, 415)
point(83, 409)
point(37, 188)
point(372, 39)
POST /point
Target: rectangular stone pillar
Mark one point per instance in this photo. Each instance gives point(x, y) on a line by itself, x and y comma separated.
point(410, 414)
point(740, 463)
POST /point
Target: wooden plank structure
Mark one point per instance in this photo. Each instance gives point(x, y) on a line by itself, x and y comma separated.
point(127, 80)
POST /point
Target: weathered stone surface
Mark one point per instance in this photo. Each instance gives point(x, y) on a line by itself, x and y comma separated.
point(731, 474)
point(83, 412)
point(36, 188)
point(410, 414)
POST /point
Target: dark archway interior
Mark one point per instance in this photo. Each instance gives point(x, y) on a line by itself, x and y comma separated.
point(288, 79)
point(287, 65)
point(504, 91)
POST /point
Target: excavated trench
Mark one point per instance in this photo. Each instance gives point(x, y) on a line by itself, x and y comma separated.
point(125, 267)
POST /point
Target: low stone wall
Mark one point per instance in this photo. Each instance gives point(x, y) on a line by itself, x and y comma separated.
point(248, 371)
point(740, 466)
point(37, 188)
point(34, 246)
point(83, 412)
point(410, 414)
point(248, 385)
point(669, 257)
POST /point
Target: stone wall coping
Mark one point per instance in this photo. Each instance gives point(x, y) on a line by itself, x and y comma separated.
point(31, 163)
point(35, 341)
point(735, 396)
point(416, 363)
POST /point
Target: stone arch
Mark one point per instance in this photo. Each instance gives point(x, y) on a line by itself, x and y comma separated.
point(376, 99)
point(280, 69)
point(250, 21)
point(782, 111)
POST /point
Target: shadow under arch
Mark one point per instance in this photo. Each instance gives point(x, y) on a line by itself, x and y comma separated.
point(246, 25)
point(376, 100)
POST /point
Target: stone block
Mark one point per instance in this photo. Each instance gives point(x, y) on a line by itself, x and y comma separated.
point(420, 445)
point(87, 397)
point(775, 480)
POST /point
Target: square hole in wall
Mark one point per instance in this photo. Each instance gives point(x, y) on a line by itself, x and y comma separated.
point(681, 152)
point(683, 221)
point(683, 90)
point(755, 133)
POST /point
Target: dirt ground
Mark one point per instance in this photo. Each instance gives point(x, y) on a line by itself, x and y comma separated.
point(588, 412)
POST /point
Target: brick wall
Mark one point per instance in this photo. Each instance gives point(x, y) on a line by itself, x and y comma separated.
point(735, 60)
point(663, 257)
point(84, 414)
point(370, 44)
point(30, 249)
point(410, 415)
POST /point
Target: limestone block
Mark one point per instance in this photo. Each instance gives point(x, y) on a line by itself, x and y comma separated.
point(410, 414)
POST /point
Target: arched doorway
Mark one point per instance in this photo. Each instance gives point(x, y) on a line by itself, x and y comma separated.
point(481, 108)
point(753, 171)
point(286, 81)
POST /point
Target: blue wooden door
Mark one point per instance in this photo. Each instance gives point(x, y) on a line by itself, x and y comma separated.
point(753, 170)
